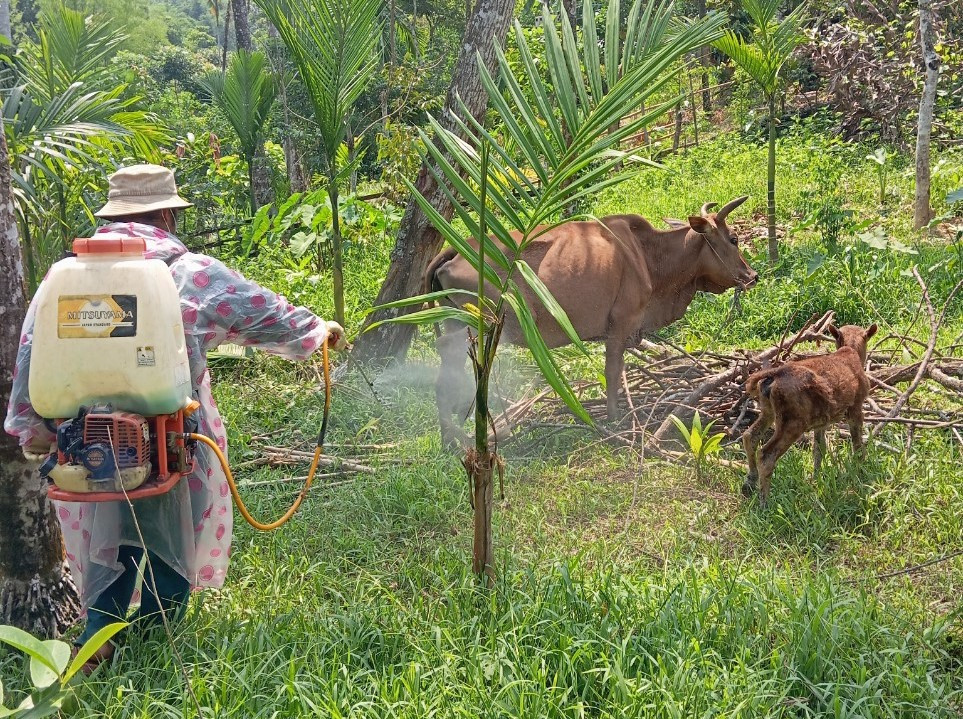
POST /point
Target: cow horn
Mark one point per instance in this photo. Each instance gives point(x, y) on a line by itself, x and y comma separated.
point(706, 207)
point(730, 206)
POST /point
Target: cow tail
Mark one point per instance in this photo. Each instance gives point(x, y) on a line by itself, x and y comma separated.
point(430, 281)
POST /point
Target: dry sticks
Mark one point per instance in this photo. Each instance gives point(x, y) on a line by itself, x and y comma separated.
point(664, 380)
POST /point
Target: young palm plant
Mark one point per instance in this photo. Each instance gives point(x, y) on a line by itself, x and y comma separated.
point(65, 117)
point(245, 94)
point(333, 44)
point(555, 147)
point(763, 59)
point(701, 444)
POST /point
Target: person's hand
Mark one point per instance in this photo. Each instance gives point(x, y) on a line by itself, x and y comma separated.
point(336, 338)
point(38, 450)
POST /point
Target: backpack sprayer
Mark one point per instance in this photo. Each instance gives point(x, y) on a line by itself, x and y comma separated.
point(109, 373)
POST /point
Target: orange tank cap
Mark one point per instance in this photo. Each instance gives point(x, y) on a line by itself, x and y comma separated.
point(111, 244)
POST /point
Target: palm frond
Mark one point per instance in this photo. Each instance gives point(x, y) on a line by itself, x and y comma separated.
point(70, 48)
point(245, 94)
point(333, 43)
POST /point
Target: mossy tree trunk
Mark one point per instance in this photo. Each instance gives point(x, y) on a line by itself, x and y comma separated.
point(36, 593)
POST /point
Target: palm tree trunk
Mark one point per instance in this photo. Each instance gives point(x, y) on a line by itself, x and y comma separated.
point(242, 27)
point(417, 241)
point(227, 35)
point(36, 593)
point(252, 188)
point(5, 20)
point(922, 211)
point(705, 59)
point(771, 184)
point(337, 262)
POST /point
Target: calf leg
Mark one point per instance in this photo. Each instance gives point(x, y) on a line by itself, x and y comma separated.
point(453, 389)
point(614, 364)
point(819, 449)
point(786, 436)
point(750, 441)
point(855, 419)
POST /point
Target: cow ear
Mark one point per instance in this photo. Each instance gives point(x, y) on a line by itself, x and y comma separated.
point(871, 331)
point(834, 331)
point(674, 223)
point(700, 224)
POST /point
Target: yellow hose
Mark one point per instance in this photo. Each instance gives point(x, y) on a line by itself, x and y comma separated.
point(242, 508)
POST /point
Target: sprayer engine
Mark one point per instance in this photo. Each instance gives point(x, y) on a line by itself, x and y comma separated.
point(103, 451)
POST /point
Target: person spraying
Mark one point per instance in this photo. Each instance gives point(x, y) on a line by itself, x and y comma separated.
point(187, 531)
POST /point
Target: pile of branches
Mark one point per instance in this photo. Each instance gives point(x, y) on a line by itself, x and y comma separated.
point(662, 380)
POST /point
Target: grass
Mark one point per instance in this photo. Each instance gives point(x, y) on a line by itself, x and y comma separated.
point(625, 589)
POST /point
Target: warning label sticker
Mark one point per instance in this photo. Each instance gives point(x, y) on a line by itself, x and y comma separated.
point(85, 316)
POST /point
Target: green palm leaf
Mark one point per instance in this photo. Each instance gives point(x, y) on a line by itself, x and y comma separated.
point(245, 93)
point(334, 45)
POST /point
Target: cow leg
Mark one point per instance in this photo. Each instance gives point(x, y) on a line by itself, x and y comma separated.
point(785, 436)
point(453, 389)
point(855, 419)
point(614, 364)
point(750, 442)
point(819, 449)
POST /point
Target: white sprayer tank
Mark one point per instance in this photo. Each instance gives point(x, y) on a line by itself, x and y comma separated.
point(108, 330)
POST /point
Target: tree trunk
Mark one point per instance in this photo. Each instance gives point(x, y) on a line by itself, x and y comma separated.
point(5, 20)
point(922, 211)
point(227, 35)
point(771, 185)
point(36, 593)
point(570, 11)
point(337, 261)
point(705, 59)
point(261, 173)
point(417, 241)
point(242, 26)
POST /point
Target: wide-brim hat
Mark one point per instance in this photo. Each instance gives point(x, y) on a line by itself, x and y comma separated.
point(138, 189)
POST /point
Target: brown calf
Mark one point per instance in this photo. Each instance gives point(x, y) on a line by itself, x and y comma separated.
point(810, 393)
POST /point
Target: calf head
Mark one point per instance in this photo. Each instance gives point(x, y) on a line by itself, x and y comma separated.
point(854, 337)
point(721, 264)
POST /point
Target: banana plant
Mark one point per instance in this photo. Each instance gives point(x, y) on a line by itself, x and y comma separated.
point(556, 145)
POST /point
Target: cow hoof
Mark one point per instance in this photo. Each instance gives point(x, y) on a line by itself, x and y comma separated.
point(454, 441)
point(748, 488)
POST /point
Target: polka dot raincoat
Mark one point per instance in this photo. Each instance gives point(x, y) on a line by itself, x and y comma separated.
point(190, 527)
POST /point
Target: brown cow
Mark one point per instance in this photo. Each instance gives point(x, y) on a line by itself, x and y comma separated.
point(804, 394)
point(616, 278)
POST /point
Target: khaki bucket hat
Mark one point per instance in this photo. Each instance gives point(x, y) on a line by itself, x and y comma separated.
point(141, 188)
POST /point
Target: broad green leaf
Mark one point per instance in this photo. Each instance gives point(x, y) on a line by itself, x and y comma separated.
point(91, 646)
point(42, 675)
point(683, 430)
point(33, 647)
